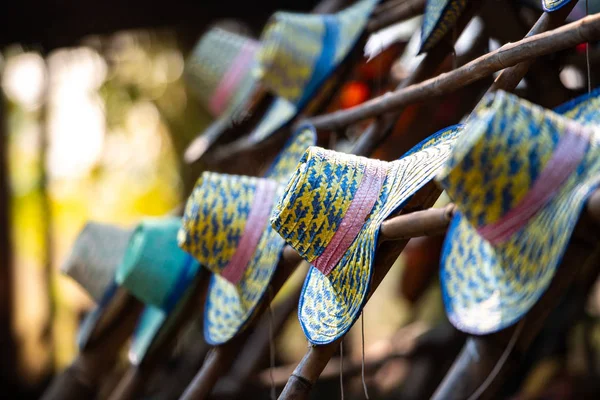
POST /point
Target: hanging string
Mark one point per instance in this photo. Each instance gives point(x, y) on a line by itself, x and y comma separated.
point(587, 52)
point(272, 346)
point(362, 328)
point(342, 369)
point(501, 361)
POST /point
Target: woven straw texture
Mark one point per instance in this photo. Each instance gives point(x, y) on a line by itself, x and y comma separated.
point(215, 219)
point(220, 70)
point(95, 256)
point(301, 50)
point(310, 213)
point(503, 149)
point(439, 19)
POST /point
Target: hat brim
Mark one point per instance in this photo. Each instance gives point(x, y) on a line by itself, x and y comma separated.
point(444, 20)
point(229, 307)
point(488, 288)
point(329, 305)
point(551, 6)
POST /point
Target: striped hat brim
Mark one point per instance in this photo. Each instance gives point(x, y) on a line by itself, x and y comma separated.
point(313, 211)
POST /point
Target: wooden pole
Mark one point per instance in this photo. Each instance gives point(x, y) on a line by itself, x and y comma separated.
point(134, 380)
point(220, 357)
point(82, 378)
point(382, 127)
point(584, 30)
point(403, 11)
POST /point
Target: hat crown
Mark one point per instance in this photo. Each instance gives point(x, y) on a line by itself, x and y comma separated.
point(316, 199)
point(218, 67)
point(504, 147)
point(95, 256)
point(215, 218)
point(299, 50)
point(154, 267)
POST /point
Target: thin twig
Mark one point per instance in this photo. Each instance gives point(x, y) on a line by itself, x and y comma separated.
point(586, 29)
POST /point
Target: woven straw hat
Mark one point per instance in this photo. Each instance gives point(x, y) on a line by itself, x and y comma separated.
point(439, 19)
point(156, 271)
point(220, 70)
point(331, 213)
point(95, 256)
point(520, 175)
point(296, 56)
point(299, 53)
point(225, 227)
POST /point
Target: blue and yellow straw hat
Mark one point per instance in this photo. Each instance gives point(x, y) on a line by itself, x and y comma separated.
point(520, 175)
point(219, 70)
point(331, 213)
point(440, 18)
point(225, 227)
point(156, 271)
point(299, 53)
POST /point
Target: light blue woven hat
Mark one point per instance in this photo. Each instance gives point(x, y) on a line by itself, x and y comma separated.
point(156, 271)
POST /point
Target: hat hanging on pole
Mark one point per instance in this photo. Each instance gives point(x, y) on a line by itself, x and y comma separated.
point(520, 176)
point(331, 213)
point(225, 227)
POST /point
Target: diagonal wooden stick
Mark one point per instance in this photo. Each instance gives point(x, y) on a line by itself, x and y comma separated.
point(398, 13)
point(584, 30)
point(383, 126)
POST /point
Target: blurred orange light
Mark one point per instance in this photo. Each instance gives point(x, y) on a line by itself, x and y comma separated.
point(353, 94)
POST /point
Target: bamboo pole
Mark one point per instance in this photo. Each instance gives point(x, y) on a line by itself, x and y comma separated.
point(584, 30)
